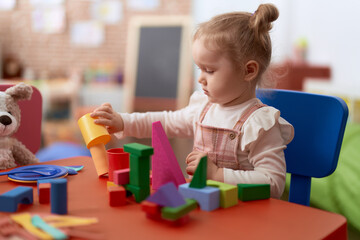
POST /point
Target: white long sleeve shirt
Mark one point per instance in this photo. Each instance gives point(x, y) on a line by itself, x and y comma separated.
point(264, 137)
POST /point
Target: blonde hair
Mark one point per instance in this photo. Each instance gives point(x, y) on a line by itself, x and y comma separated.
point(241, 36)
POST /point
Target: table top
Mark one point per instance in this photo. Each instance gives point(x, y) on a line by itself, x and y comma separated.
point(262, 219)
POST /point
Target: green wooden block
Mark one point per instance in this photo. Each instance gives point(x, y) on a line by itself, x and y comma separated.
point(199, 178)
point(174, 213)
point(138, 149)
point(139, 171)
point(228, 193)
point(249, 192)
point(140, 193)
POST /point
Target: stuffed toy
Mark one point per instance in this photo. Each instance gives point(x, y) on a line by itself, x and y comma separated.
point(12, 152)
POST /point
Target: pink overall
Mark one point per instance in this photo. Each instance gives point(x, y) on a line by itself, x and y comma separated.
point(220, 144)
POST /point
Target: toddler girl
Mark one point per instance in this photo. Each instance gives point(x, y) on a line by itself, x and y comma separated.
point(243, 139)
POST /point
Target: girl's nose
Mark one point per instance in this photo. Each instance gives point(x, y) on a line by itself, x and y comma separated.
point(202, 79)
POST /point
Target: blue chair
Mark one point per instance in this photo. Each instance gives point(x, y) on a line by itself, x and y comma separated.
point(319, 123)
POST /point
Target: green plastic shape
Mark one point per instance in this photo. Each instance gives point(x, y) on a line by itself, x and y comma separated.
point(174, 213)
point(139, 171)
point(140, 193)
point(199, 178)
point(250, 192)
point(138, 149)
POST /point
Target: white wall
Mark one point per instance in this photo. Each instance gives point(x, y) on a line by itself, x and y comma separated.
point(331, 28)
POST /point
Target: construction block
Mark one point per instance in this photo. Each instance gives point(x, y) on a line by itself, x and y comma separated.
point(208, 198)
point(199, 178)
point(151, 208)
point(174, 213)
point(58, 196)
point(139, 171)
point(155, 216)
point(165, 167)
point(178, 222)
point(9, 200)
point(140, 193)
point(117, 196)
point(110, 184)
point(138, 149)
point(228, 193)
point(44, 192)
point(249, 192)
point(167, 196)
point(121, 176)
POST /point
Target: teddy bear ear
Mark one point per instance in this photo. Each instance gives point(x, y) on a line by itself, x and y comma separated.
point(20, 91)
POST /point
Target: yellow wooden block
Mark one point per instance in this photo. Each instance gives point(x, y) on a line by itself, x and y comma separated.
point(228, 193)
point(111, 184)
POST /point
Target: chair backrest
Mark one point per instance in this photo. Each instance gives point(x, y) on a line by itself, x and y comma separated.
point(319, 122)
point(29, 132)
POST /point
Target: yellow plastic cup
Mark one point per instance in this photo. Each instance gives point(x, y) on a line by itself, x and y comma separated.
point(92, 133)
point(95, 137)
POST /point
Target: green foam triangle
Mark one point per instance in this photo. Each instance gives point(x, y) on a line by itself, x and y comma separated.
point(199, 178)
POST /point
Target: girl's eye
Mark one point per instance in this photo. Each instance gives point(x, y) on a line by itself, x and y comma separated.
point(209, 71)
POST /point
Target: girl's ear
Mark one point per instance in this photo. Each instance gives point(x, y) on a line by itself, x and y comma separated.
point(251, 70)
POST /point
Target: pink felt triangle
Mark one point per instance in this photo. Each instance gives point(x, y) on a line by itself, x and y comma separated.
point(165, 167)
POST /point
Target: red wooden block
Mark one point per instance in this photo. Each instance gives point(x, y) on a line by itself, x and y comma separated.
point(150, 207)
point(181, 221)
point(156, 217)
point(121, 177)
point(117, 196)
point(153, 212)
point(44, 193)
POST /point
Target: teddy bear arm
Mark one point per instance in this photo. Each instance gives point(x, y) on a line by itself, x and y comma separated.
point(22, 154)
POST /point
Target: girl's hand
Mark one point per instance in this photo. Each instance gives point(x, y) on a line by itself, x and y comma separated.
point(192, 161)
point(213, 171)
point(105, 115)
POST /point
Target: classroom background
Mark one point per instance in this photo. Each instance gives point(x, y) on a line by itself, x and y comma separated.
point(79, 53)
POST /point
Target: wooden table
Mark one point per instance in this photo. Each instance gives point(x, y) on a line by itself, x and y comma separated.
point(263, 219)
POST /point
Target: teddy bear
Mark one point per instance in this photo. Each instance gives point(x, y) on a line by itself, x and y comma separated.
point(12, 152)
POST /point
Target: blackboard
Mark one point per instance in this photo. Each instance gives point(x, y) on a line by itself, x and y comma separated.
point(158, 72)
point(159, 57)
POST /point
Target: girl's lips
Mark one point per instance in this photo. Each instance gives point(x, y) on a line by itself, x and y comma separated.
point(206, 92)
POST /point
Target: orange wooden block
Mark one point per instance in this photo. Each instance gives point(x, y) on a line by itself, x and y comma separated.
point(117, 196)
point(44, 193)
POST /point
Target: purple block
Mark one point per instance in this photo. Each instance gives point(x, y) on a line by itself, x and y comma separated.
point(167, 196)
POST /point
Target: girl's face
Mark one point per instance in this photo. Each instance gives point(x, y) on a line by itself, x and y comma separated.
point(221, 81)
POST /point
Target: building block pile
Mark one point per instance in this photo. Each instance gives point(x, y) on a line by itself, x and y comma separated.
point(134, 180)
point(172, 197)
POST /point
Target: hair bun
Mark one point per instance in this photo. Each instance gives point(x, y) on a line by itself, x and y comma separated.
point(264, 16)
point(261, 20)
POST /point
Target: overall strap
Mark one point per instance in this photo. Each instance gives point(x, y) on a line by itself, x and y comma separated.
point(247, 113)
point(204, 111)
